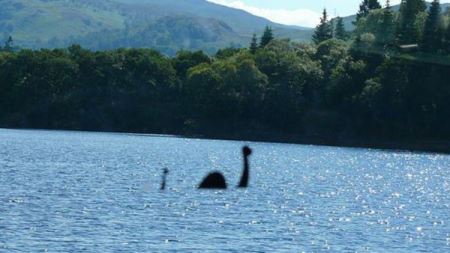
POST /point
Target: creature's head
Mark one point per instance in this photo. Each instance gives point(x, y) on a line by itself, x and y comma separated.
point(165, 171)
point(246, 151)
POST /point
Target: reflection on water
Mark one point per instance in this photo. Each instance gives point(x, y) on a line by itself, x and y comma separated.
point(95, 192)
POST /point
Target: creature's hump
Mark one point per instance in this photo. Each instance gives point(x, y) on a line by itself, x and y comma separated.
point(214, 180)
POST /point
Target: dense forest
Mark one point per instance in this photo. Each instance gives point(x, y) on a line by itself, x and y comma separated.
point(386, 81)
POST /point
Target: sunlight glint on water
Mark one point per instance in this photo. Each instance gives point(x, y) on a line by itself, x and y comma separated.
point(94, 192)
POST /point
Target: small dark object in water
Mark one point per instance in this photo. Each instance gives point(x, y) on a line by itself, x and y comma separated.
point(163, 183)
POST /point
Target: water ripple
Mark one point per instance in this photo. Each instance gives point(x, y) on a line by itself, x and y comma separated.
point(96, 192)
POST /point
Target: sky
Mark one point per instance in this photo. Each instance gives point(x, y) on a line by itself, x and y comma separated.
point(297, 12)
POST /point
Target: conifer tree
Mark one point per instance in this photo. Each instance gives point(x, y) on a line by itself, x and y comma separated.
point(339, 32)
point(388, 24)
point(8, 45)
point(447, 40)
point(267, 37)
point(366, 6)
point(432, 35)
point(374, 4)
point(407, 31)
point(324, 30)
point(254, 44)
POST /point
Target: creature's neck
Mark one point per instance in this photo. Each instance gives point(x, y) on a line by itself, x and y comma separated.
point(245, 174)
point(163, 184)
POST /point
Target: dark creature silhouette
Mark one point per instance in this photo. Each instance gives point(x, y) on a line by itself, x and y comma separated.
point(216, 180)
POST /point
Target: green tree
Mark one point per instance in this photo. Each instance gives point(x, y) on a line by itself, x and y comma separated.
point(381, 24)
point(267, 36)
point(432, 35)
point(8, 45)
point(388, 24)
point(326, 90)
point(388, 4)
point(254, 44)
point(227, 52)
point(184, 60)
point(365, 7)
point(324, 31)
point(447, 39)
point(374, 4)
point(203, 90)
point(409, 27)
point(250, 86)
point(339, 32)
point(330, 54)
point(291, 79)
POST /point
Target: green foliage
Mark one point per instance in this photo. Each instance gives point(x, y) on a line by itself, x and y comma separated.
point(410, 22)
point(432, 35)
point(389, 25)
point(286, 87)
point(361, 88)
point(202, 88)
point(381, 24)
point(184, 60)
point(79, 89)
point(339, 31)
point(227, 52)
point(446, 43)
point(331, 54)
point(365, 7)
point(221, 93)
point(324, 30)
point(267, 37)
point(254, 44)
point(8, 45)
point(350, 21)
point(406, 107)
point(291, 80)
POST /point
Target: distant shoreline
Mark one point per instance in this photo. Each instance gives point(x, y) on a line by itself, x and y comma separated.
point(425, 146)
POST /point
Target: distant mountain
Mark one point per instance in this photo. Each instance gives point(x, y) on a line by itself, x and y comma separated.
point(167, 25)
point(348, 21)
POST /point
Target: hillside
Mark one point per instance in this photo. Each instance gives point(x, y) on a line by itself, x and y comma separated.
point(168, 25)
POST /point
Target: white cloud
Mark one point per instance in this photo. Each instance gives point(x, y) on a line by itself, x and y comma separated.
point(300, 17)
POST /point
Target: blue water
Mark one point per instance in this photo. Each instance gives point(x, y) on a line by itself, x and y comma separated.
point(99, 192)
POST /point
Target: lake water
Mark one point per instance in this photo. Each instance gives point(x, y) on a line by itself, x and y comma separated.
point(99, 192)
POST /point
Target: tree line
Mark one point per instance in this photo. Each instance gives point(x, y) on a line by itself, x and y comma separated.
point(343, 86)
point(421, 28)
